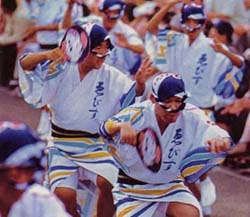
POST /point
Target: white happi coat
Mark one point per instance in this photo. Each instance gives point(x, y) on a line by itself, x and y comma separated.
point(184, 156)
point(38, 201)
point(78, 105)
point(190, 131)
point(198, 63)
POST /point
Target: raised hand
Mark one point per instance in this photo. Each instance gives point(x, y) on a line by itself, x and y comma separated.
point(218, 46)
point(145, 71)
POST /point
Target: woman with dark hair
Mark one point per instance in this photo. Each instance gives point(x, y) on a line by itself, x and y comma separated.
point(222, 31)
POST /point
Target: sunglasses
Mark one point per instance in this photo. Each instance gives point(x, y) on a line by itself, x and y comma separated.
point(191, 29)
point(167, 109)
point(114, 14)
point(101, 56)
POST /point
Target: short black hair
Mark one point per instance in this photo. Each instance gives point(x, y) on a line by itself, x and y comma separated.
point(9, 5)
point(224, 28)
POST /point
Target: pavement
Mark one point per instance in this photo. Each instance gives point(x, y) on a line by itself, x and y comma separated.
point(233, 189)
point(14, 108)
point(233, 193)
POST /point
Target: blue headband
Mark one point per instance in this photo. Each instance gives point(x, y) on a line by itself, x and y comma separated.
point(168, 85)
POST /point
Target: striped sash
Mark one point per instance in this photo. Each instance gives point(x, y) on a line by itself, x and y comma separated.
point(65, 133)
point(125, 179)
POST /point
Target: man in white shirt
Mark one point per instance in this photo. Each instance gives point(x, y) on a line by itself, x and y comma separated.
point(81, 94)
point(167, 140)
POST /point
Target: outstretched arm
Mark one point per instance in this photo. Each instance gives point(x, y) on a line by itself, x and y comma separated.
point(34, 29)
point(122, 41)
point(67, 19)
point(152, 26)
point(237, 106)
point(217, 145)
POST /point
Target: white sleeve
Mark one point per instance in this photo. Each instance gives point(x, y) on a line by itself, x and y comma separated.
point(39, 86)
point(206, 129)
